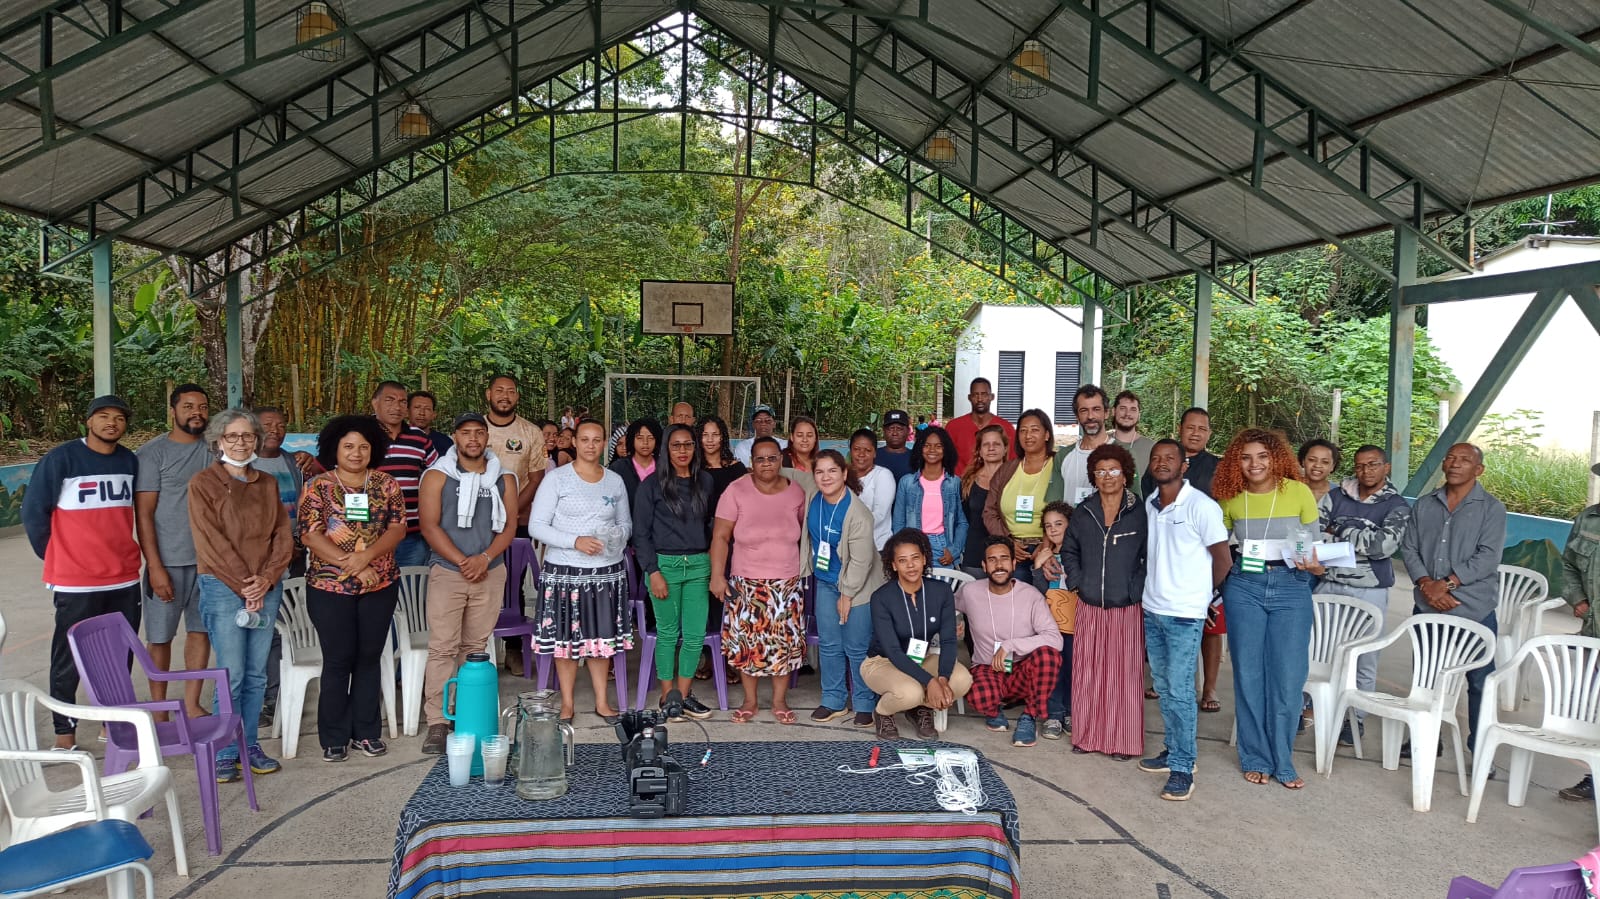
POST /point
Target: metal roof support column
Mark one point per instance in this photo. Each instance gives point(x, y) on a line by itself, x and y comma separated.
point(1200, 377)
point(1518, 341)
point(1089, 361)
point(104, 323)
point(233, 338)
point(1402, 349)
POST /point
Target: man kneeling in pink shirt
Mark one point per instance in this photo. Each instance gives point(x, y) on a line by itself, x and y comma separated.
point(1016, 645)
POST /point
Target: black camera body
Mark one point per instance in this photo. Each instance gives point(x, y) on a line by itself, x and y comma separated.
point(657, 784)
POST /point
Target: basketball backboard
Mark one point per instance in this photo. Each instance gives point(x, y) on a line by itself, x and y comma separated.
point(694, 308)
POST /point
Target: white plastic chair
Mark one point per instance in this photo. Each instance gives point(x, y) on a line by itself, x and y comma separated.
point(302, 664)
point(411, 628)
point(36, 810)
point(1524, 598)
point(956, 579)
point(1339, 622)
point(1569, 667)
point(1443, 649)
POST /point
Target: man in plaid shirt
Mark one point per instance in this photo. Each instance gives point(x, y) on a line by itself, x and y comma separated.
point(1016, 646)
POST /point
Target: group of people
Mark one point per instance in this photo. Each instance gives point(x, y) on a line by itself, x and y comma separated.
point(1088, 562)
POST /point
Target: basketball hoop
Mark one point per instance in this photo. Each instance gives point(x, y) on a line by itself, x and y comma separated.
point(688, 330)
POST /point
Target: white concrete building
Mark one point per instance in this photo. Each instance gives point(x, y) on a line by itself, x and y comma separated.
point(1030, 353)
point(1556, 377)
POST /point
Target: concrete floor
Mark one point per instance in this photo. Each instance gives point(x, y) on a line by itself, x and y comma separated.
point(1090, 826)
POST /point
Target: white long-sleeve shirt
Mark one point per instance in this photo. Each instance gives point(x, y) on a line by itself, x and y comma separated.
point(877, 491)
point(568, 507)
point(1019, 619)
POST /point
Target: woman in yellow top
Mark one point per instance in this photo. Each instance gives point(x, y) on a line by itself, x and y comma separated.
point(1022, 487)
point(1267, 599)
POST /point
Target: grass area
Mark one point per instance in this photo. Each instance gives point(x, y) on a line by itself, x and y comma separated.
point(1552, 484)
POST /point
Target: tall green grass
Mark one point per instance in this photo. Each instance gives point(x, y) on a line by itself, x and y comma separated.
point(1552, 484)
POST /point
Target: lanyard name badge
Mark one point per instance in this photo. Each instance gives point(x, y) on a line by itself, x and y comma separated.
point(1024, 510)
point(357, 507)
point(916, 649)
point(824, 555)
point(1255, 551)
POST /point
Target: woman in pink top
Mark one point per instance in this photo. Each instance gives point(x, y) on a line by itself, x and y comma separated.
point(763, 618)
point(929, 497)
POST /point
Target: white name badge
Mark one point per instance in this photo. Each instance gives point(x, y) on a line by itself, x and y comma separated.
point(917, 649)
point(1255, 556)
point(824, 559)
point(1024, 511)
point(356, 507)
point(1081, 494)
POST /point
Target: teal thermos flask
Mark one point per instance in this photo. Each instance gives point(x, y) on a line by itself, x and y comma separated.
point(472, 702)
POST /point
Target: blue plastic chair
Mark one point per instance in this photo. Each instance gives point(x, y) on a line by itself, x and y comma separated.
point(76, 855)
point(1562, 881)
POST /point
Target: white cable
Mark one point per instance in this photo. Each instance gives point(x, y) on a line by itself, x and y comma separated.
point(959, 787)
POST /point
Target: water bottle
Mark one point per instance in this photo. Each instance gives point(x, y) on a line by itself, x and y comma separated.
point(476, 706)
point(248, 619)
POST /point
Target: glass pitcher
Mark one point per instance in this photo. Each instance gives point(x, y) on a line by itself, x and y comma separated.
point(543, 747)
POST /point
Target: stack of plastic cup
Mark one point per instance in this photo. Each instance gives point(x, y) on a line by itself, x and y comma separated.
point(496, 747)
point(458, 748)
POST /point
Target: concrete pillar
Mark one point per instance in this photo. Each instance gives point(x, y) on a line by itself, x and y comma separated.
point(1089, 360)
point(104, 322)
point(1200, 379)
point(1402, 349)
point(233, 337)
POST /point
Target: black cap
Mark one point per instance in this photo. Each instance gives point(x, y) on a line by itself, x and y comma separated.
point(896, 417)
point(107, 402)
point(466, 417)
point(760, 408)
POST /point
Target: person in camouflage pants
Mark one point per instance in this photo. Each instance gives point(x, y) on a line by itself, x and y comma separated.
point(1580, 567)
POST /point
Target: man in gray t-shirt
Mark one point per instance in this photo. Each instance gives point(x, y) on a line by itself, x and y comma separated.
point(161, 503)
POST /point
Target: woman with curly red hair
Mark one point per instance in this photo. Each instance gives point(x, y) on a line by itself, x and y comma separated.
point(1267, 601)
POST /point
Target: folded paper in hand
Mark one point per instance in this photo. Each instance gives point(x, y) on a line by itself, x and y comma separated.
point(1329, 554)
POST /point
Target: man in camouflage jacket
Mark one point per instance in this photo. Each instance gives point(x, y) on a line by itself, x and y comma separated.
point(1580, 568)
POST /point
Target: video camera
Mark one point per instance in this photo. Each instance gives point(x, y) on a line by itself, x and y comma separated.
point(657, 784)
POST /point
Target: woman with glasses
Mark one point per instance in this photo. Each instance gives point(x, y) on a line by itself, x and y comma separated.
point(242, 545)
point(1102, 560)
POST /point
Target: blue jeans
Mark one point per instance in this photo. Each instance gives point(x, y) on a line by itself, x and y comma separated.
point(1173, 645)
point(1269, 634)
point(241, 650)
point(838, 644)
point(1061, 696)
point(412, 551)
point(938, 544)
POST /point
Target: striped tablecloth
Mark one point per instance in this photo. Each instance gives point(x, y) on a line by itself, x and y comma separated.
point(769, 820)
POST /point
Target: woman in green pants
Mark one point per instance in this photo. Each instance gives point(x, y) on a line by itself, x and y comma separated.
point(671, 536)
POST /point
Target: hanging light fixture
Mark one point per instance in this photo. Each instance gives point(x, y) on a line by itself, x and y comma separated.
point(317, 31)
point(940, 150)
point(1033, 60)
point(413, 123)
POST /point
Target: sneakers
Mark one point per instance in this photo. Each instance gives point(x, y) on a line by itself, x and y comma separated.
point(922, 717)
point(334, 754)
point(1053, 730)
point(864, 719)
point(1180, 786)
point(1066, 723)
point(371, 748)
point(694, 708)
point(823, 714)
point(1156, 764)
point(886, 727)
point(998, 724)
point(1582, 791)
point(269, 710)
point(1345, 739)
point(433, 743)
point(260, 762)
point(1024, 735)
point(227, 770)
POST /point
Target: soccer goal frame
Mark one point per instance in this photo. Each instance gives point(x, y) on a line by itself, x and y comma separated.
point(736, 427)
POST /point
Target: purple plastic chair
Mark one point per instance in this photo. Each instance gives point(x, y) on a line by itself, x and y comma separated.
point(1561, 881)
point(100, 646)
point(619, 662)
point(808, 598)
point(513, 623)
point(647, 662)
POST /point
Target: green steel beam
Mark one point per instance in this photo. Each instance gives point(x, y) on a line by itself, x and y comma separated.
point(1519, 340)
point(1508, 284)
point(104, 322)
point(1522, 12)
point(1402, 352)
point(114, 35)
point(1587, 296)
point(1200, 372)
point(233, 338)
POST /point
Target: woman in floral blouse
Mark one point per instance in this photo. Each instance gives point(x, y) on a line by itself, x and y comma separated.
point(351, 519)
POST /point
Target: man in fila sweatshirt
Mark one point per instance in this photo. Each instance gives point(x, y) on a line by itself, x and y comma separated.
point(78, 512)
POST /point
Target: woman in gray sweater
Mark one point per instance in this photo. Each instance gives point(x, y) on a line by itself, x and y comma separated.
point(838, 546)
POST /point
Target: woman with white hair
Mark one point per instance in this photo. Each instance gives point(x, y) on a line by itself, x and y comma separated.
point(242, 545)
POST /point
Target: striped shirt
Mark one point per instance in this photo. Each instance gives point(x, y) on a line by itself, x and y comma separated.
point(410, 454)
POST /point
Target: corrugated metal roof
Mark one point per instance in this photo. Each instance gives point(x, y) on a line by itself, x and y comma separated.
point(1157, 150)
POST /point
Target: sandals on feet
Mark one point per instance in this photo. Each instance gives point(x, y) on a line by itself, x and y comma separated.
point(743, 716)
point(784, 716)
point(1210, 705)
point(1295, 783)
point(1150, 693)
point(1257, 777)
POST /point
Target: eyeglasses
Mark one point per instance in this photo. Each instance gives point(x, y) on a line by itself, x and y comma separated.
point(238, 438)
point(1108, 473)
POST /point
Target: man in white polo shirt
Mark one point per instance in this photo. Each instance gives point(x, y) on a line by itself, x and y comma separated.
point(1187, 560)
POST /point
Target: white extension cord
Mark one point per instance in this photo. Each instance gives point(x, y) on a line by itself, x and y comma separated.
point(953, 775)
